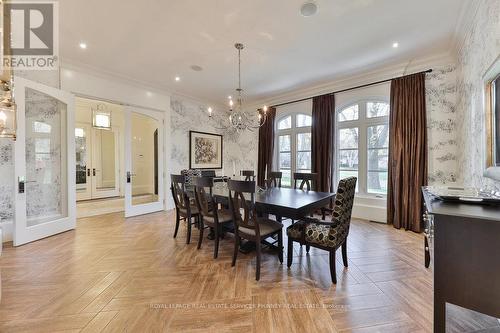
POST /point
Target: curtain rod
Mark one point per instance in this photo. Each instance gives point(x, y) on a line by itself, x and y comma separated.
point(352, 88)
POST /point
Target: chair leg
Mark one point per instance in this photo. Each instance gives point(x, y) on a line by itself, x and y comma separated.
point(201, 233)
point(177, 222)
point(323, 213)
point(188, 238)
point(280, 246)
point(289, 254)
point(216, 244)
point(308, 248)
point(236, 248)
point(344, 253)
point(333, 274)
point(257, 269)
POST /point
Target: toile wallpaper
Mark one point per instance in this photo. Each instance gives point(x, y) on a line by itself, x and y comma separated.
point(239, 148)
point(441, 98)
point(480, 49)
point(6, 180)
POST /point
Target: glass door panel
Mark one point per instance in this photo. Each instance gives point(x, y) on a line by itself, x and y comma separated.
point(44, 160)
point(83, 162)
point(46, 172)
point(144, 159)
point(105, 163)
point(144, 162)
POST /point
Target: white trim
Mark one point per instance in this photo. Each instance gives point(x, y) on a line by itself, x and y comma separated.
point(22, 232)
point(349, 80)
point(134, 210)
point(293, 131)
point(362, 123)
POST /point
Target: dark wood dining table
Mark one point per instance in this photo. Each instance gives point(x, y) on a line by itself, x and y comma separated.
point(283, 202)
point(280, 202)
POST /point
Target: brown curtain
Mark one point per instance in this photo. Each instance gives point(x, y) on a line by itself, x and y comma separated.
point(407, 152)
point(266, 146)
point(323, 120)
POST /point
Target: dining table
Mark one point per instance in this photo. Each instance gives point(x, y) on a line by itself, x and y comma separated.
point(281, 202)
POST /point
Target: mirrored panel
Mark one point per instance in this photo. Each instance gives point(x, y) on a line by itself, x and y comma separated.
point(104, 164)
point(144, 159)
point(82, 158)
point(46, 160)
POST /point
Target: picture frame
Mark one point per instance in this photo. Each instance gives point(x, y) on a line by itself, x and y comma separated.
point(205, 150)
point(491, 81)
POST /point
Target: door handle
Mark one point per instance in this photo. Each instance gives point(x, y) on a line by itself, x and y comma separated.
point(20, 184)
point(93, 172)
point(129, 176)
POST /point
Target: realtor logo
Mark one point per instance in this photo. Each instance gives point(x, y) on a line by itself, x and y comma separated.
point(33, 29)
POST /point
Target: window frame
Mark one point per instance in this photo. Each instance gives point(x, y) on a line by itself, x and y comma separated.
point(362, 123)
point(293, 132)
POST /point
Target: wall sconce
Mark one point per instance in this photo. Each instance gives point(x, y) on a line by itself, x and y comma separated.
point(101, 117)
point(7, 112)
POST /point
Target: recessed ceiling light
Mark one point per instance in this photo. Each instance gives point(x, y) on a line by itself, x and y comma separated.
point(395, 45)
point(177, 78)
point(149, 93)
point(83, 45)
point(229, 97)
point(196, 68)
point(308, 9)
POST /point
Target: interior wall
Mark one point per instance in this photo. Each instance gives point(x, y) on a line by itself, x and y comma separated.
point(238, 148)
point(479, 49)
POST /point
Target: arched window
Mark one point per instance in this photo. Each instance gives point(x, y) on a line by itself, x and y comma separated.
point(363, 145)
point(293, 145)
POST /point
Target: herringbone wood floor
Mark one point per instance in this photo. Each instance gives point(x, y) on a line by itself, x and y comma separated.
point(114, 274)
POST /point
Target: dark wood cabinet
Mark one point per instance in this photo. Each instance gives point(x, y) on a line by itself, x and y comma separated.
point(465, 257)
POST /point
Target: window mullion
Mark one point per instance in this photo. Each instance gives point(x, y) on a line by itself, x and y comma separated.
point(363, 153)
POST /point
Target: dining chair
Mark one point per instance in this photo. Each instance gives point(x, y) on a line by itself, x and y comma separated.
point(184, 209)
point(211, 216)
point(248, 174)
point(247, 224)
point(307, 180)
point(310, 181)
point(274, 179)
point(328, 236)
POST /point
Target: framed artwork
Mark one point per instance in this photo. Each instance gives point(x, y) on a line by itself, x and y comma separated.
point(205, 150)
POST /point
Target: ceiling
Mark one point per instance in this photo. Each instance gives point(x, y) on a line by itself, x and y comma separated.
point(153, 40)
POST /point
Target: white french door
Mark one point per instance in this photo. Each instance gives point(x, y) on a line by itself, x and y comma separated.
point(44, 162)
point(97, 162)
point(144, 187)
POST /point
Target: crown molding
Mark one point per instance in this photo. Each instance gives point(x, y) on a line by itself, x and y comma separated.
point(347, 81)
point(464, 24)
point(123, 79)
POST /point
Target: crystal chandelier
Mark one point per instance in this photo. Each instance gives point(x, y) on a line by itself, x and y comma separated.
point(236, 118)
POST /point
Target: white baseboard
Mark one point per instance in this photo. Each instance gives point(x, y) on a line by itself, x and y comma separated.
point(372, 209)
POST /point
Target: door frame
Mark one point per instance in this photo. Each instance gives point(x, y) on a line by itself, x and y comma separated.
point(22, 232)
point(141, 209)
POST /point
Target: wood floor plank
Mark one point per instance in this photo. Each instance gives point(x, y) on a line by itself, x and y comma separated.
point(113, 274)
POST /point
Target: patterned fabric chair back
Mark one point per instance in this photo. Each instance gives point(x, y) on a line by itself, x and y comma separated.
point(180, 198)
point(243, 210)
point(306, 179)
point(274, 179)
point(190, 174)
point(341, 216)
point(204, 200)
